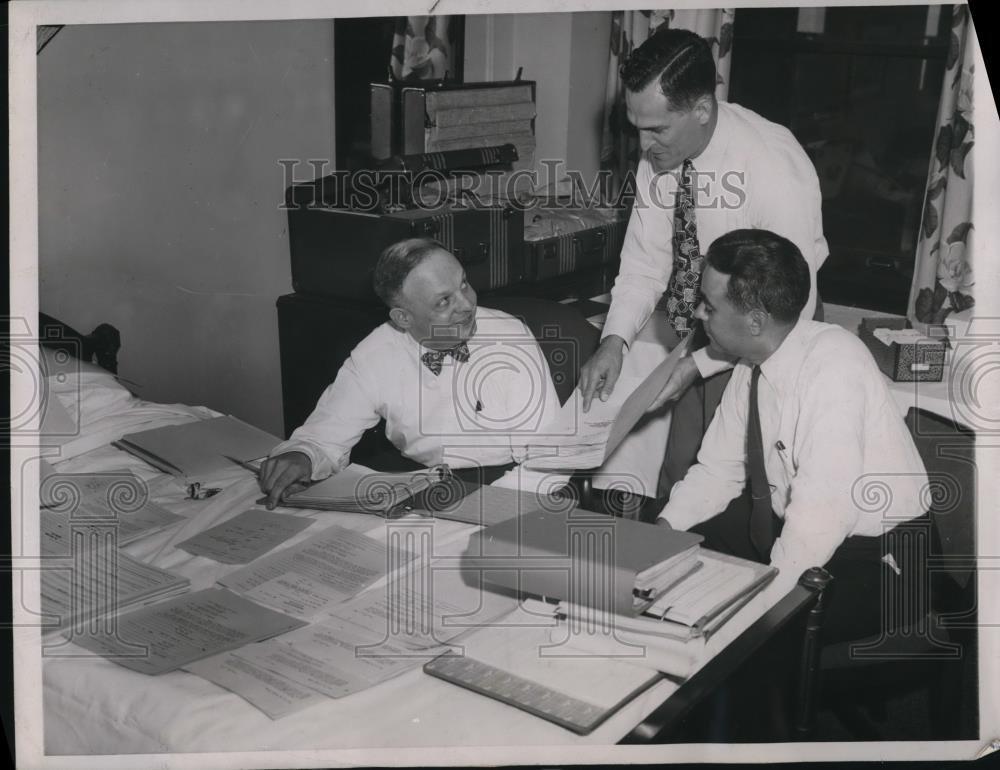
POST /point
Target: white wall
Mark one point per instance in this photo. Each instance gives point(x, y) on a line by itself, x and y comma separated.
point(567, 55)
point(159, 194)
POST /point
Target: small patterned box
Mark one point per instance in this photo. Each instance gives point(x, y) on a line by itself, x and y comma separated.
point(920, 361)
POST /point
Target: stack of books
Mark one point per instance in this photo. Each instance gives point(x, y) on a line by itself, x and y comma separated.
point(618, 570)
point(457, 119)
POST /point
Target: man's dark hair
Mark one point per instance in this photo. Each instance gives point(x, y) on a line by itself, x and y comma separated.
point(766, 271)
point(397, 261)
point(680, 59)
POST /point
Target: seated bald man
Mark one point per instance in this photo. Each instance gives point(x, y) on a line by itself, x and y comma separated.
point(456, 383)
point(806, 425)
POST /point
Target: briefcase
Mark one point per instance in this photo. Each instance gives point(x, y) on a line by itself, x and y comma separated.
point(558, 241)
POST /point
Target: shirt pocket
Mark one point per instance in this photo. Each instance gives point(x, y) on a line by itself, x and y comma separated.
point(783, 460)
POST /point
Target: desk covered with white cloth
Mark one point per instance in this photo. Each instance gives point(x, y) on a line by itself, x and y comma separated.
point(94, 706)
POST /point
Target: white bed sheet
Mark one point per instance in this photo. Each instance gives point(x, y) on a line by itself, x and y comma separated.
point(92, 706)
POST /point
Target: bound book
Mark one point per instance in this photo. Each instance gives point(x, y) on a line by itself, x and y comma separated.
point(584, 558)
point(701, 602)
point(708, 591)
point(198, 449)
point(357, 489)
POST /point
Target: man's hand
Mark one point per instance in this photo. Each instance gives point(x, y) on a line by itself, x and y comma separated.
point(599, 375)
point(283, 473)
point(681, 378)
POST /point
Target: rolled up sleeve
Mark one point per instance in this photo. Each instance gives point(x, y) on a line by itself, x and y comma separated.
point(345, 410)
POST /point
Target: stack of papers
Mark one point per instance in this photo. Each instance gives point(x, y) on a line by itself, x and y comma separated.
point(199, 449)
point(376, 636)
point(357, 489)
point(903, 337)
point(310, 577)
point(665, 576)
point(80, 502)
point(167, 636)
point(698, 592)
point(244, 537)
point(100, 581)
point(705, 599)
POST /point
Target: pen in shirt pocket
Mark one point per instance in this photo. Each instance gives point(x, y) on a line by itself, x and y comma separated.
point(782, 451)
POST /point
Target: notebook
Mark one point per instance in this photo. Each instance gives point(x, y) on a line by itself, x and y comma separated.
point(357, 489)
point(199, 449)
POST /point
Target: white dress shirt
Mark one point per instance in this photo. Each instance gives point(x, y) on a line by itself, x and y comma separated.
point(753, 173)
point(478, 412)
point(839, 458)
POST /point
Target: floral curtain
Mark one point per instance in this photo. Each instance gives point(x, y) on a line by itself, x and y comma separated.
point(943, 275)
point(421, 48)
point(629, 29)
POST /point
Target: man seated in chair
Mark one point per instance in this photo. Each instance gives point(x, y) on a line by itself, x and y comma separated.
point(455, 383)
point(807, 461)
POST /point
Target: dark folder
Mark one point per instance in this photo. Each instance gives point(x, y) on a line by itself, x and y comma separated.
point(584, 558)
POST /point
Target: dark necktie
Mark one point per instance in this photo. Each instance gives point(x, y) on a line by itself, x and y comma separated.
point(432, 358)
point(761, 524)
point(684, 289)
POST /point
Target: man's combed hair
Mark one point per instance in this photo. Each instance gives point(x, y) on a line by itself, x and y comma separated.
point(680, 59)
point(396, 262)
point(766, 271)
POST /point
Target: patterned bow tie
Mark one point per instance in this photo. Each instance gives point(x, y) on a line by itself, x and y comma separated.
point(432, 358)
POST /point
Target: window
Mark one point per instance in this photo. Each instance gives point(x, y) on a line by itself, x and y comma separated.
point(859, 88)
point(362, 49)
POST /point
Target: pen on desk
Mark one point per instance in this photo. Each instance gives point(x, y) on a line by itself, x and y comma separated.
point(254, 469)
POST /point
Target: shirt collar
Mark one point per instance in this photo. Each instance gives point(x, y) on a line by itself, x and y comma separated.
point(782, 366)
point(710, 159)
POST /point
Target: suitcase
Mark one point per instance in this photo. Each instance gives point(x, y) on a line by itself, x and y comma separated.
point(562, 241)
point(334, 250)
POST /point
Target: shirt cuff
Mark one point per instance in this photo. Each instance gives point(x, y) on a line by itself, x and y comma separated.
point(679, 519)
point(621, 327)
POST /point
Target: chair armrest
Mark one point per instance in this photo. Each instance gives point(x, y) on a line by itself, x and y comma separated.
point(707, 680)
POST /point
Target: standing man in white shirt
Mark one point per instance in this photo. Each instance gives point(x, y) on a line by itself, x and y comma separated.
point(808, 432)
point(456, 383)
point(706, 168)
